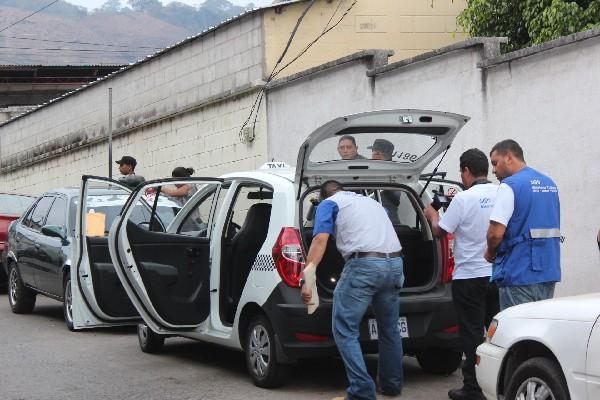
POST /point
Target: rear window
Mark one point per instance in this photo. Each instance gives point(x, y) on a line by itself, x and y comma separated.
point(404, 148)
point(399, 204)
point(12, 204)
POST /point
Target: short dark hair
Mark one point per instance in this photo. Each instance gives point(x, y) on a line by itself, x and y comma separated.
point(476, 161)
point(328, 188)
point(507, 146)
point(348, 137)
point(182, 172)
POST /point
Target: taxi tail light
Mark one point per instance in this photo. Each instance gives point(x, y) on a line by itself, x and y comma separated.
point(447, 258)
point(289, 257)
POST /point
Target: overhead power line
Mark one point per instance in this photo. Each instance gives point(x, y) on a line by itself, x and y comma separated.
point(83, 43)
point(275, 72)
point(30, 15)
point(72, 50)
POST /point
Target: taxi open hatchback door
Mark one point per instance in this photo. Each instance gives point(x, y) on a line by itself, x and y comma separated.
point(165, 268)
point(405, 142)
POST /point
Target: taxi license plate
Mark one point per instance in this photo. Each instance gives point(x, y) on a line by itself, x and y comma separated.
point(402, 326)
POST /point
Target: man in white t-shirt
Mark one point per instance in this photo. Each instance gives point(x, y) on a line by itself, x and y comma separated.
point(475, 298)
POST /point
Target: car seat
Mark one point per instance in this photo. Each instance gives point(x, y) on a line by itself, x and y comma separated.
point(245, 246)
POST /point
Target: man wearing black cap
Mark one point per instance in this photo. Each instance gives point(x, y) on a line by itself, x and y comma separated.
point(126, 168)
point(383, 149)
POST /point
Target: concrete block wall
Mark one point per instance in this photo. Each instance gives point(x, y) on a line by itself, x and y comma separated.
point(206, 140)
point(544, 97)
point(219, 63)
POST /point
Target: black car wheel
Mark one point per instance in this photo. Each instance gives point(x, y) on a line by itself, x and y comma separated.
point(538, 378)
point(261, 360)
point(20, 298)
point(439, 361)
point(68, 304)
point(150, 341)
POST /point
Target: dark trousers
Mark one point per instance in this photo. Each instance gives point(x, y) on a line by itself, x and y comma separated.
point(476, 302)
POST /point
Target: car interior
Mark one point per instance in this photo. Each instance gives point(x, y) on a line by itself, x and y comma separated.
point(418, 248)
point(245, 231)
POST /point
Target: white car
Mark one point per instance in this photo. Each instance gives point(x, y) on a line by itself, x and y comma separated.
point(226, 269)
point(547, 350)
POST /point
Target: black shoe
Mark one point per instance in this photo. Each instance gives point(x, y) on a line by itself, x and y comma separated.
point(465, 394)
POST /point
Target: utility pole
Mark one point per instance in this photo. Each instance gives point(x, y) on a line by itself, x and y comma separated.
point(110, 133)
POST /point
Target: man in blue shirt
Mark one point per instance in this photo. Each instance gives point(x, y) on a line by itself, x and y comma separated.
point(373, 275)
point(523, 239)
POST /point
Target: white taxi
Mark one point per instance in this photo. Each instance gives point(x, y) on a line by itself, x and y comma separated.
point(226, 269)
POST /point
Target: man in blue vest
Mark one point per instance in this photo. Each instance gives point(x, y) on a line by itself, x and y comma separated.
point(523, 238)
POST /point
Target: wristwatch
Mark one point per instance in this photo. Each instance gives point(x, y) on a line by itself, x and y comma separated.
point(302, 282)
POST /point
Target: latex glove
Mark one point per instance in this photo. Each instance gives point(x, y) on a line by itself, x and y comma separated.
point(310, 296)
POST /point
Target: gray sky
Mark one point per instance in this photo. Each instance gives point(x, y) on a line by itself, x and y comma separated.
point(91, 4)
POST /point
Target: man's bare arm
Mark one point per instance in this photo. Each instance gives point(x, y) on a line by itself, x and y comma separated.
point(434, 217)
point(317, 249)
point(495, 234)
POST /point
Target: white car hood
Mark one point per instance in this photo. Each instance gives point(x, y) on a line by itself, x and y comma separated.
point(581, 308)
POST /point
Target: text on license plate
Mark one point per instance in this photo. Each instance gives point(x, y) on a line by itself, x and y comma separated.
point(402, 326)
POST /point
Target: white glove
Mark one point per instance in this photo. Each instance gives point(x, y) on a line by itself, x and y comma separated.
point(310, 281)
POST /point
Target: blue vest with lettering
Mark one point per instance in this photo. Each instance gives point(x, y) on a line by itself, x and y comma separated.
point(530, 250)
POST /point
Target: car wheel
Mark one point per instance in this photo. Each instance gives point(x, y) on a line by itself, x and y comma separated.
point(150, 341)
point(68, 304)
point(20, 298)
point(259, 350)
point(538, 378)
point(439, 361)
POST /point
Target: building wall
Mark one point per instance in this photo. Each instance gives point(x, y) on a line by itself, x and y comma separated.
point(184, 107)
point(409, 27)
point(530, 98)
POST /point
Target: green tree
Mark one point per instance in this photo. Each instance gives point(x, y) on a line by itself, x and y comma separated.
point(111, 6)
point(529, 22)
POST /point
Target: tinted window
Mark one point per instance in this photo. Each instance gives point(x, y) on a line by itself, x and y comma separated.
point(57, 213)
point(38, 216)
point(11, 204)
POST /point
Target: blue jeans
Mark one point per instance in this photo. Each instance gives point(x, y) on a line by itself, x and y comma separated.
point(513, 295)
point(367, 281)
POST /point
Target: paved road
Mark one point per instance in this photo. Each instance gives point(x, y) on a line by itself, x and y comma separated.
point(41, 359)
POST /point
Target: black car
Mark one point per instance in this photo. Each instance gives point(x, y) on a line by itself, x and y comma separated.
point(46, 256)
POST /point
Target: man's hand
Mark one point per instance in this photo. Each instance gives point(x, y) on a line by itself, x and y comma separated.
point(309, 293)
point(489, 255)
point(306, 294)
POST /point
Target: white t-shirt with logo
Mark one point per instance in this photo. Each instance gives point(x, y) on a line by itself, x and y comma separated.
point(505, 205)
point(468, 218)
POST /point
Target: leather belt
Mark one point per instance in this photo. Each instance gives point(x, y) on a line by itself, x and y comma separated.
point(375, 254)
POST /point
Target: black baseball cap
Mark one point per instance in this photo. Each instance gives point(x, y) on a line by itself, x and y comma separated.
point(127, 160)
point(385, 146)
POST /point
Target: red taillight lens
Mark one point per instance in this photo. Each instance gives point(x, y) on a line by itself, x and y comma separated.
point(288, 255)
point(447, 258)
point(307, 337)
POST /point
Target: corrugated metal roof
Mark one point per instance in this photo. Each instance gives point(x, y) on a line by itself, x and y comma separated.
point(17, 66)
point(153, 56)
